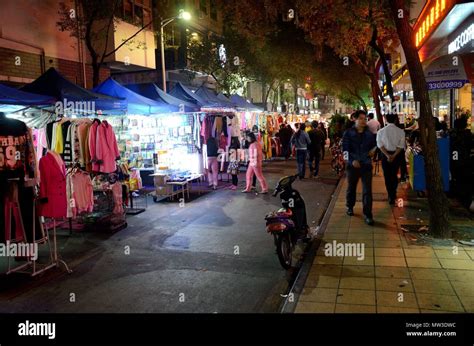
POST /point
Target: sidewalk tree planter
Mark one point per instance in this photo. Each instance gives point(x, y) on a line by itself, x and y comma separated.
point(438, 202)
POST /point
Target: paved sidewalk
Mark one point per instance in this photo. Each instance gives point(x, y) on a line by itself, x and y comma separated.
point(397, 274)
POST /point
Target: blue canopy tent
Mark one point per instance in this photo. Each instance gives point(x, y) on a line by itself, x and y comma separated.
point(183, 93)
point(152, 91)
point(51, 83)
point(12, 99)
point(137, 104)
point(242, 103)
point(211, 98)
point(222, 97)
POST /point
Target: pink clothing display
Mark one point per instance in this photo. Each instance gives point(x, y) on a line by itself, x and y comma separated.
point(92, 146)
point(106, 149)
point(83, 194)
point(117, 194)
point(53, 186)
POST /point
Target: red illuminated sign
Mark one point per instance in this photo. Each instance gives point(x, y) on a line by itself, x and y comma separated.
point(432, 15)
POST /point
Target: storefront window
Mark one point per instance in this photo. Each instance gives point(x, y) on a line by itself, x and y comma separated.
point(440, 104)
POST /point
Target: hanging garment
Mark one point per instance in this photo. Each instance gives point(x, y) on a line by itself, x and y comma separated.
point(85, 155)
point(83, 193)
point(107, 151)
point(76, 150)
point(53, 196)
point(67, 143)
point(117, 195)
point(58, 142)
point(92, 140)
point(219, 124)
point(40, 142)
point(13, 215)
point(206, 128)
point(235, 125)
point(243, 124)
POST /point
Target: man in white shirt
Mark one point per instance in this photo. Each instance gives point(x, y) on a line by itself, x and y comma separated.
point(391, 142)
point(373, 124)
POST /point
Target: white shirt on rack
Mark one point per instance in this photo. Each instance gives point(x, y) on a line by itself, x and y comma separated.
point(391, 137)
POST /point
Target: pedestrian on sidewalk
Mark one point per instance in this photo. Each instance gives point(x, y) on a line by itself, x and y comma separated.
point(358, 146)
point(212, 164)
point(323, 140)
point(234, 162)
point(255, 164)
point(391, 142)
point(301, 141)
point(403, 161)
point(285, 134)
point(373, 124)
point(316, 137)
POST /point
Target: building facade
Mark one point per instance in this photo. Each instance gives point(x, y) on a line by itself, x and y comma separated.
point(31, 42)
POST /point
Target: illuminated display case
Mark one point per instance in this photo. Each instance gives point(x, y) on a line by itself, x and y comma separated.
point(163, 142)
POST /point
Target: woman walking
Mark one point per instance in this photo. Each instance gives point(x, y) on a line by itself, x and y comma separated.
point(255, 164)
point(212, 164)
point(301, 141)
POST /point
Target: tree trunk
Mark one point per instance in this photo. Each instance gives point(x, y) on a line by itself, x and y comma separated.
point(375, 95)
point(437, 200)
point(383, 58)
point(95, 73)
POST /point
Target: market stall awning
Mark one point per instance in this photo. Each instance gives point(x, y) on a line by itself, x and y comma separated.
point(12, 99)
point(222, 97)
point(137, 104)
point(211, 98)
point(152, 91)
point(183, 93)
point(51, 83)
point(242, 103)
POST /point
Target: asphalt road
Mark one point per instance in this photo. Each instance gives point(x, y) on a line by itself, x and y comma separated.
point(210, 255)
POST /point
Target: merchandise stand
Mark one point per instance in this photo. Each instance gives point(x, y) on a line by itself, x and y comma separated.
point(37, 268)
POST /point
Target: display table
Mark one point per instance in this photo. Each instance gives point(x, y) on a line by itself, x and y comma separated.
point(168, 188)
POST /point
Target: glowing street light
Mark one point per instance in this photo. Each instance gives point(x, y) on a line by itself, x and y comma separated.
point(182, 15)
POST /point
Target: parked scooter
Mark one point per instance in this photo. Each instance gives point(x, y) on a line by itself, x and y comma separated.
point(289, 223)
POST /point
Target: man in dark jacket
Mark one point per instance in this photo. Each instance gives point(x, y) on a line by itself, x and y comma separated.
point(285, 136)
point(358, 146)
point(314, 154)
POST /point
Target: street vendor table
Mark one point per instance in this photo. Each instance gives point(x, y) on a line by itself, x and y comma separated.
point(169, 188)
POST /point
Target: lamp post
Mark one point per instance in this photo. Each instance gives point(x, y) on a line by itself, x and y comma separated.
point(182, 15)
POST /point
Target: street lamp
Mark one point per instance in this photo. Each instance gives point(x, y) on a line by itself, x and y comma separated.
point(182, 15)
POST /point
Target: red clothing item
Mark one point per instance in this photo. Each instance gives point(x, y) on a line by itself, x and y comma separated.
point(52, 187)
point(106, 149)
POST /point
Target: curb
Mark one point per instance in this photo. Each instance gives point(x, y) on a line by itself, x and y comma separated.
point(298, 285)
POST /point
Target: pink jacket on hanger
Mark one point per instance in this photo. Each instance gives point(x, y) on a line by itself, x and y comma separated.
point(92, 145)
point(106, 150)
point(53, 200)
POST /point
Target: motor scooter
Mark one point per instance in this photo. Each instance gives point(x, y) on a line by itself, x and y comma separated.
point(289, 223)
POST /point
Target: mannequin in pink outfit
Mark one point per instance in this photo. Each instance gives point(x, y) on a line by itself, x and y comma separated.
point(255, 164)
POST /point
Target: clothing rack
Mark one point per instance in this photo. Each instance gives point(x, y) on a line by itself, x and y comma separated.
point(36, 268)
